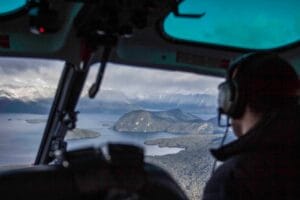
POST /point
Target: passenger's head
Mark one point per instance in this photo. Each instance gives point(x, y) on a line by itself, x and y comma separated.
point(262, 82)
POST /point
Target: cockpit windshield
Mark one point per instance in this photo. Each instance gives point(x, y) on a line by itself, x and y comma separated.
point(171, 114)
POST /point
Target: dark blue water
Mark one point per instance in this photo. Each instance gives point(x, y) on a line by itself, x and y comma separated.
point(19, 140)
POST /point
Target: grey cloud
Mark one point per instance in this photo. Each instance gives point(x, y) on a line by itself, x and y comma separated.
point(17, 65)
point(135, 81)
point(132, 81)
point(29, 78)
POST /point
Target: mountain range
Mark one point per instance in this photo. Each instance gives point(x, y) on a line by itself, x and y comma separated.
point(8, 105)
point(110, 101)
point(194, 103)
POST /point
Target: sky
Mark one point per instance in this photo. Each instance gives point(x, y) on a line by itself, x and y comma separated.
point(29, 78)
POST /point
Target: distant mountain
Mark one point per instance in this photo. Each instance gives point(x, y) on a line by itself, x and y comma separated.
point(17, 99)
point(107, 101)
point(215, 122)
point(26, 93)
point(172, 121)
point(25, 99)
point(116, 101)
point(18, 106)
point(195, 103)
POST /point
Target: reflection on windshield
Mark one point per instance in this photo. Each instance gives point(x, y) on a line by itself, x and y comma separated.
point(171, 114)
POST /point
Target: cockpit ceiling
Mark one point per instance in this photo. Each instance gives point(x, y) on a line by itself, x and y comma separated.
point(148, 46)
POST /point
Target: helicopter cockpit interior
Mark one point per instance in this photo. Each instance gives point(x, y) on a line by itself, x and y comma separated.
point(77, 44)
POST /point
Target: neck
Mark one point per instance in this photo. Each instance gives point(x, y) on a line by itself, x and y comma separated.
point(249, 119)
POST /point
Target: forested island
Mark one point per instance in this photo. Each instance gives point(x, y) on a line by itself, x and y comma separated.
point(192, 166)
point(171, 121)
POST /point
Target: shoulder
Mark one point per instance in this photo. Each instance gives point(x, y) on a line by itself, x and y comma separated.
point(222, 184)
point(232, 180)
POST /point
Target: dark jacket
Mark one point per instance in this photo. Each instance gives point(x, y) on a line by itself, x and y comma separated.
point(262, 164)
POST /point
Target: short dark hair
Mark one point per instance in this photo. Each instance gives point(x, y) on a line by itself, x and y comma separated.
point(267, 81)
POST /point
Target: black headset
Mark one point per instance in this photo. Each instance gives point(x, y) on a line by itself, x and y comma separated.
point(231, 98)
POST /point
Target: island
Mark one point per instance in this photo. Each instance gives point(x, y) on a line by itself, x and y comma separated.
point(74, 134)
point(77, 133)
point(35, 121)
point(170, 121)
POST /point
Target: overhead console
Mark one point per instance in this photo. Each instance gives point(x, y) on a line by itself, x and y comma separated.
point(41, 28)
point(56, 28)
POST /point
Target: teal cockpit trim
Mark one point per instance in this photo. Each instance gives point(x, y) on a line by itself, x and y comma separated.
point(8, 7)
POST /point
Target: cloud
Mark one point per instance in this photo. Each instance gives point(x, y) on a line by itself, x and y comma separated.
point(31, 78)
point(17, 65)
point(135, 81)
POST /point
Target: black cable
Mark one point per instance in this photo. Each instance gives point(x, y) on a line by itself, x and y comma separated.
point(95, 87)
point(221, 145)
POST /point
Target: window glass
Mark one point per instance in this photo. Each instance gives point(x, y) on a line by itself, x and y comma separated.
point(27, 88)
point(254, 24)
point(171, 114)
point(10, 6)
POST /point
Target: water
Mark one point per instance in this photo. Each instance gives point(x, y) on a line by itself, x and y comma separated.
point(205, 116)
point(102, 123)
point(20, 140)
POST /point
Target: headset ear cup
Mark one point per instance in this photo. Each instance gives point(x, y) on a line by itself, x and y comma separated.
point(230, 100)
point(234, 99)
point(238, 101)
point(225, 97)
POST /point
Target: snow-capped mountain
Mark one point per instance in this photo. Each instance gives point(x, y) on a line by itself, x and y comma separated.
point(26, 93)
point(189, 102)
point(38, 99)
point(25, 99)
point(203, 100)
